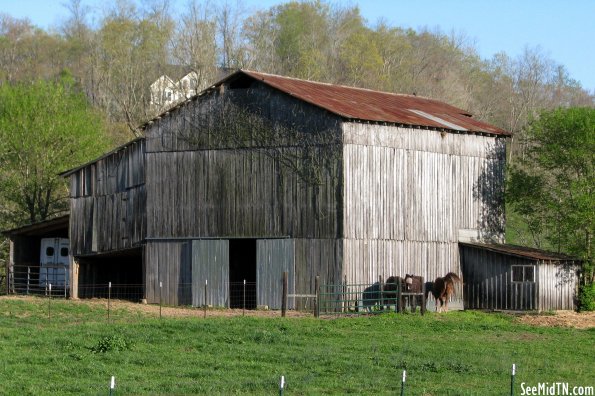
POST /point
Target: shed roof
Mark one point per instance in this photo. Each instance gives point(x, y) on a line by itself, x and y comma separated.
point(41, 227)
point(521, 251)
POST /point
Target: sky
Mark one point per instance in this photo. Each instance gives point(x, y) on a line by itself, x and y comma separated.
point(563, 30)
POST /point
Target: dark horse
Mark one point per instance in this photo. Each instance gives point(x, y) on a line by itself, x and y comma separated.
point(373, 295)
point(442, 289)
point(412, 284)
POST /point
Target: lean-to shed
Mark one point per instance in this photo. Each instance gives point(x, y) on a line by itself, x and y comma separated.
point(508, 277)
point(261, 174)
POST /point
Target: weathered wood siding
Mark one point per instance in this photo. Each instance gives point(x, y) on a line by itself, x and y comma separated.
point(558, 285)
point(408, 192)
point(108, 203)
point(210, 263)
point(198, 186)
point(230, 193)
point(168, 262)
point(273, 257)
point(488, 282)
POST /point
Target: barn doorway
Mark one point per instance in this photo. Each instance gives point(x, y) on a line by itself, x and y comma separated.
point(242, 266)
point(123, 269)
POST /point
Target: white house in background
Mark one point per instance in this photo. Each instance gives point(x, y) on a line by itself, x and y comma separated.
point(165, 92)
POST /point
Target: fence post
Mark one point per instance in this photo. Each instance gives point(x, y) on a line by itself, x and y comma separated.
point(28, 277)
point(381, 289)
point(512, 379)
point(403, 383)
point(109, 298)
point(284, 297)
point(50, 303)
point(64, 270)
point(317, 298)
point(423, 297)
point(160, 285)
point(205, 304)
point(244, 299)
point(281, 385)
point(400, 294)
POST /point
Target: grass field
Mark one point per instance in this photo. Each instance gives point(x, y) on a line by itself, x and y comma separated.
point(458, 353)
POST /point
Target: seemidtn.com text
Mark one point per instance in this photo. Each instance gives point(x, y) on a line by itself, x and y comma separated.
point(555, 389)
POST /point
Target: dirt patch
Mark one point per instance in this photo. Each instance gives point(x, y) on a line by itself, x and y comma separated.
point(582, 320)
point(172, 312)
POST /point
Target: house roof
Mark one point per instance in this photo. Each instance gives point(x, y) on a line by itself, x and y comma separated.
point(521, 251)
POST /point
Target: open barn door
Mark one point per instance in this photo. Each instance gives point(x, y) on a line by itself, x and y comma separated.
point(273, 257)
point(210, 262)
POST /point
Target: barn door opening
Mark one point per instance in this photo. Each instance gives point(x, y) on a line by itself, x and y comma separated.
point(242, 267)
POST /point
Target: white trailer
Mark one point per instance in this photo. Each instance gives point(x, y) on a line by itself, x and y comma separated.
point(54, 262)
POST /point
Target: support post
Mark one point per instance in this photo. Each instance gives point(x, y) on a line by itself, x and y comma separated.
point(317, 300)
point(284, 297)
point(74, 279)
point(160, 286)
point(29, 278)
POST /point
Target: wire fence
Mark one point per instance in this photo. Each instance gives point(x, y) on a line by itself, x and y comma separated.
point(366, 298)
point(35, 280)
point(327, 299)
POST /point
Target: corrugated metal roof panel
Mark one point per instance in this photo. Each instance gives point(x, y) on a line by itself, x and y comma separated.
point(367, 105)
point(521, 251)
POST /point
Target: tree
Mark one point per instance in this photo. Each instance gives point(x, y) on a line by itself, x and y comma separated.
point(552, 187)
point(45, 128)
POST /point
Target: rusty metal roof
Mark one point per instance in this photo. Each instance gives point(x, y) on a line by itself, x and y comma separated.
point(521, 251)
point(368, 105)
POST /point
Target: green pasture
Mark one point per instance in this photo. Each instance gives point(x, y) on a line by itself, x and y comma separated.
point(457, 353)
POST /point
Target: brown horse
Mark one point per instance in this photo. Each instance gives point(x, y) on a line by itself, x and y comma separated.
point(443, 288)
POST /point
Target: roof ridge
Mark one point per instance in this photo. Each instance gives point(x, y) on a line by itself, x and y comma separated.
point(348, 86)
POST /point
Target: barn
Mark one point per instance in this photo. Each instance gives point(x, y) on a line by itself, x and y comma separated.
point(262, 174)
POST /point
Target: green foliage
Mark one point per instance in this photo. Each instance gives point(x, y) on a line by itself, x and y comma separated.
point(114, 342)
point(45, 128)
point(551, 188)
point(463, 353)
point(586, 297)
